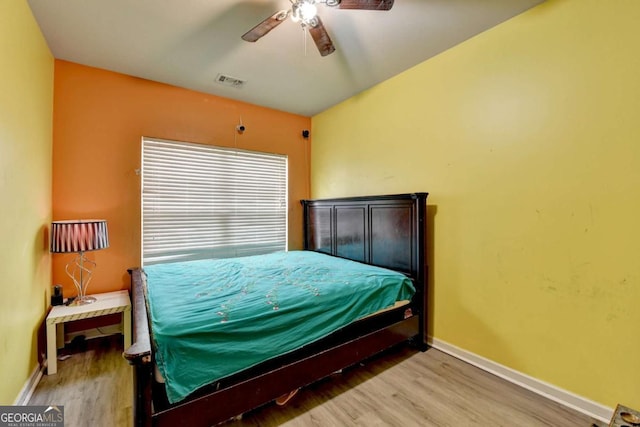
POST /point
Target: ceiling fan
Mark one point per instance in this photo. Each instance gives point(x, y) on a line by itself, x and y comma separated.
point(306, 12)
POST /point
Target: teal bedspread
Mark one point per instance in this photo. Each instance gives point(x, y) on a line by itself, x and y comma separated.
point(213, 318)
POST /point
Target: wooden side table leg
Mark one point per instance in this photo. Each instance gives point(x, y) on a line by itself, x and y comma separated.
point(52, 351)
point(126, 328)
point(59, 335)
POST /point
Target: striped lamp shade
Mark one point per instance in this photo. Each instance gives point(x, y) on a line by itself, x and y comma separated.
point(79, 235)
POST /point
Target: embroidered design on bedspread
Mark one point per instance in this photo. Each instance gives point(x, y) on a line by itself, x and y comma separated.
point(251, 274)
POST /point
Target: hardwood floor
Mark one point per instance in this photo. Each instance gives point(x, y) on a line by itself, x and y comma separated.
point(94, 385)
point(402, 387)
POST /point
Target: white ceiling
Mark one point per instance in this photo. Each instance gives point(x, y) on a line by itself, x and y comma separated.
point(187, 43)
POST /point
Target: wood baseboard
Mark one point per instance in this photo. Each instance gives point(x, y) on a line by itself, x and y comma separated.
point(29, 386)
point(564, 397)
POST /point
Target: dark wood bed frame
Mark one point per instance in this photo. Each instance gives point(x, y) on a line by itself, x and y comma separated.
point(387, 231)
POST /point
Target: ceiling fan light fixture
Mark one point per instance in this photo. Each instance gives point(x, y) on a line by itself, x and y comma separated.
point(308, 11)
point(305, 11)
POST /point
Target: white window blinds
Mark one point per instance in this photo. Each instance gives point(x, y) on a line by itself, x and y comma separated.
point(200, 201)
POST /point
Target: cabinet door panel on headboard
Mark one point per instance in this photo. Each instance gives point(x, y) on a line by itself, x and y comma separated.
point(351, 225)
point(392, 238)
point(319, 229)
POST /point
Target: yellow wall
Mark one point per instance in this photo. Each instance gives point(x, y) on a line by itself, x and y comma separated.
point(26, 111)
point(526, 136)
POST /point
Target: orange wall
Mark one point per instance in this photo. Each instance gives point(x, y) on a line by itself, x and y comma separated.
point(99, 120)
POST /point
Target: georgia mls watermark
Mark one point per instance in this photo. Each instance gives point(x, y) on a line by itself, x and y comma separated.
point(31, 416)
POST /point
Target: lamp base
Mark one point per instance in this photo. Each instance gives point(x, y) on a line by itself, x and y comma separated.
point(83, 300)
point(80, 271)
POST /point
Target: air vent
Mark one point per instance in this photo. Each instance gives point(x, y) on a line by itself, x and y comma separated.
point(230, 81)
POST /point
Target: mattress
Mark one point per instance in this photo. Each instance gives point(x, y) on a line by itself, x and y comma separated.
point(213, 318)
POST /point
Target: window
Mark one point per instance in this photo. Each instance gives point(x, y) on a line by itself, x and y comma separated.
point(200, 201)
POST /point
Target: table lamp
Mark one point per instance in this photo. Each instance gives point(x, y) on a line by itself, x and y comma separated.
point(79, 236)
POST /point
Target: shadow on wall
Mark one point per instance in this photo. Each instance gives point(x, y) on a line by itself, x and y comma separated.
point(41, 251)
point(431, 214)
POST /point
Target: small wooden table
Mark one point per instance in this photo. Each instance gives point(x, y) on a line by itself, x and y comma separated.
point(107, 303)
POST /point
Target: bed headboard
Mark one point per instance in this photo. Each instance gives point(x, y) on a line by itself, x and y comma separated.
point(386, 231)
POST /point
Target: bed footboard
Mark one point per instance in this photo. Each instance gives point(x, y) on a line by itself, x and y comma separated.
point(139, 354)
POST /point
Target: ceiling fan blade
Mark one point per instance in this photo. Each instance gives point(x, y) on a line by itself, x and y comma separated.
point(321, 38)
point(265, 26)
point(366, 4)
